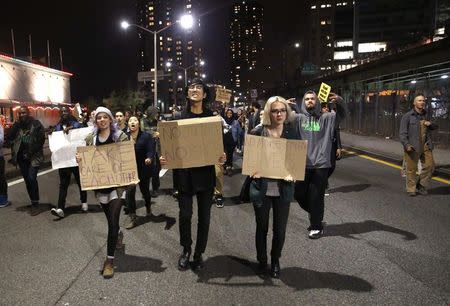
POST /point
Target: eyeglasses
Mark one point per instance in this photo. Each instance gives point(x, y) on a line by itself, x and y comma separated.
point(278, 111)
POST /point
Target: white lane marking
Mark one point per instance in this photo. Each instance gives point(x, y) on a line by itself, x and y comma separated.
point(21, 180)
point(162, 172)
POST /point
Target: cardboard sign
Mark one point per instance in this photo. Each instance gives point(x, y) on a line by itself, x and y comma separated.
point(324, 92)
point(223, 95)
point(191, 143)
point(274, 157)
point(111, 165)
point(64, 146)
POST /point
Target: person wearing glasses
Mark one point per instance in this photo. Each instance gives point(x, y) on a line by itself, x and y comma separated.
point(268, 193)
point(198, 181)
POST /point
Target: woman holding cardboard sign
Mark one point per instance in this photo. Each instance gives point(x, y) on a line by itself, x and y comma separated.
point(276, 193)
point(111, 199)
point(198, 181)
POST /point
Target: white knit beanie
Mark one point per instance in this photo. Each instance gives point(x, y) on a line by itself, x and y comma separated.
point(102, 109)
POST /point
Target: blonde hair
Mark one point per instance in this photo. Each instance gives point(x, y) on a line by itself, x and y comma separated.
point(268, 107)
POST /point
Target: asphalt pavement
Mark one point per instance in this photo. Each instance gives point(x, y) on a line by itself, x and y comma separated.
point(380, 247)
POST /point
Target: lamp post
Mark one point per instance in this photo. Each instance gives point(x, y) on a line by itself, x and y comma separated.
point(186, 21)
point(169, 64)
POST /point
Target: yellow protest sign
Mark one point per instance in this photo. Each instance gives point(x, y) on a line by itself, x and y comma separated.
point(324, 92)
point(111, 165)
point(191, 143)
point(274, 157)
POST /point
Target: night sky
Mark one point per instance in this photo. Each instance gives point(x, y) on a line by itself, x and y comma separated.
point(103, 57)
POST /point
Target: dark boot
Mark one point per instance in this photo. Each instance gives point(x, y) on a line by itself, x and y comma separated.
point(275, 268)
point(197, 264)
point(183, 260)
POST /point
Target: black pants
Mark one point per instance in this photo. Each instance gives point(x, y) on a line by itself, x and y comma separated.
point(64, 182)
point(333, 159)
point(280, 218)
point(204, 202)
point(112, 213)
point(229, 150)
point(310, 195)
point(144, 184)
point(155, 175)
point(29, 174)
point(3, 184)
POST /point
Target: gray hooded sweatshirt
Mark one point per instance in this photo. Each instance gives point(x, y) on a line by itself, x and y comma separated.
point(318, 128)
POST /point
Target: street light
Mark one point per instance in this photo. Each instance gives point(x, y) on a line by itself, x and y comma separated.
point(186, 21)
point(201, 63)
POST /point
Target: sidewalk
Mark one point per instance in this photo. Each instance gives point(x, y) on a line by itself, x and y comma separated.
point(392, 150)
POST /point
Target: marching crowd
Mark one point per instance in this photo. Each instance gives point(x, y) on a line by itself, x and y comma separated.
point(308, 119)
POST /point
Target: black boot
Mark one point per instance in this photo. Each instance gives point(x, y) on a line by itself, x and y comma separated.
point(183, 260)
point(275, 268)
point(262, 267)
point(197, 264)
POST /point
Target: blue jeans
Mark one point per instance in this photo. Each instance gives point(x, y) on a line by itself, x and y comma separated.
point(29, 174)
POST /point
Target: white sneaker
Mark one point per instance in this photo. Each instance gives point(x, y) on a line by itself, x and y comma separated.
point(315, 234)
point(84, 207)
point(58, 212)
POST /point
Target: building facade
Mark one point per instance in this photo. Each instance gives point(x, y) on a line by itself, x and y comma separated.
point(347, 33)
point(246, 46)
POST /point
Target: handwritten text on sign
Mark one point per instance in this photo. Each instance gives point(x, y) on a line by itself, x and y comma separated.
point(191, 143)
point(111, 165)
point(324, 92)
point(274, 157)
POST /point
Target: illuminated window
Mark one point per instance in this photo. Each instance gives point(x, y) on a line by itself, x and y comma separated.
point(343, 55)
point(372, 47)
point(343, 43)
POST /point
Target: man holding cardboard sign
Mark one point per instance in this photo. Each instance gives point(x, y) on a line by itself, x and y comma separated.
point(194, 174)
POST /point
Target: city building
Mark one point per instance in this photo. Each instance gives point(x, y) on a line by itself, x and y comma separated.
point(246, 46)
point(179, 47)
point(347, 33)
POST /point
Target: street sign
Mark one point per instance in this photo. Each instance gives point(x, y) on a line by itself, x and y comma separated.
point(144, 76)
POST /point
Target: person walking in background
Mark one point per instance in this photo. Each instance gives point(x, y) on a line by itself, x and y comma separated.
point(268, 193)
point(65, 124)
point(230, 139)
point(27, 137)
point(149, 124)
point(415, 136)
point(3, 184)
point(242, 119)
point(121, 122)
point(111, 199)
point(254, 118)
point(144, 148)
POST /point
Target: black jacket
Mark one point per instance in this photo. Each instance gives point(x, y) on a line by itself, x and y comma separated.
point(192, 180)
point(144, 148)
